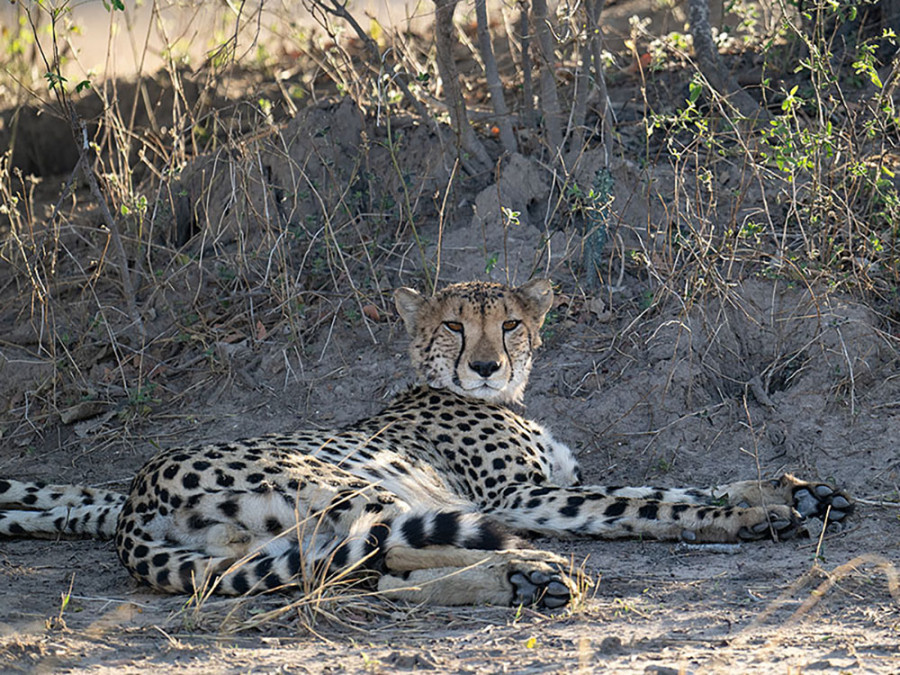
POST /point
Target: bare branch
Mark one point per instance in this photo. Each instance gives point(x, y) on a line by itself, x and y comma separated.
point(595, 39)
point(80, 135)
point(590, 82)
point(378, 59)
point(79, 130)
point(525, 42)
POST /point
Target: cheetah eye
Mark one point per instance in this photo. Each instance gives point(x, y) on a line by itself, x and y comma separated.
point(453, 326)
point(512, 324)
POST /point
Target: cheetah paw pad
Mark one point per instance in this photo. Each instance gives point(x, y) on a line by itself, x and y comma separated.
point(813, 501)
point(541, 589)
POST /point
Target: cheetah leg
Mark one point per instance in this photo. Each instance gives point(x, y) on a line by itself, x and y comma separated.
point(604, 513)
point(406, 558)
point(740, 511)
point(447, 575)
point(190, 550)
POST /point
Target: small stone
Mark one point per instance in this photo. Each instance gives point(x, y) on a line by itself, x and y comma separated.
point(610, 645)
point(402, 661)
point(662, 670)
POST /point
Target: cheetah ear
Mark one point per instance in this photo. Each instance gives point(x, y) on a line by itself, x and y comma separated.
point(537, 295)
point(409, 303)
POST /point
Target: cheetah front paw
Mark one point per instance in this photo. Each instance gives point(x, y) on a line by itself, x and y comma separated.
point(809, 500)
point(454, 576)
point(820, 500)
point(537, 577)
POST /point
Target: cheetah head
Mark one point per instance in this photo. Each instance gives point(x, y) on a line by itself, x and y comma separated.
point(476, 338)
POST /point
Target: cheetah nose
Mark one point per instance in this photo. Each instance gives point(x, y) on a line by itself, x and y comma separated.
point(484, 368)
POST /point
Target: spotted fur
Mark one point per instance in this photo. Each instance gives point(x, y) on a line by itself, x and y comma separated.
point(424, 497)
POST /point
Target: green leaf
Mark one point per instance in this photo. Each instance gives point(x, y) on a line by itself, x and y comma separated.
point(55, 80)
point(694, 89)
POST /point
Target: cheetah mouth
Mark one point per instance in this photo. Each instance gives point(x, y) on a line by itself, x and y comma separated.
point(483, 389)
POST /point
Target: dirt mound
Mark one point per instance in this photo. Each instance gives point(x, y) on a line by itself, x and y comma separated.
point(331, 163)
point(777, 342)
point(766, 376)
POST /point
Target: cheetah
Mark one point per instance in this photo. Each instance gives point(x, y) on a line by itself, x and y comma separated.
point(427, 499)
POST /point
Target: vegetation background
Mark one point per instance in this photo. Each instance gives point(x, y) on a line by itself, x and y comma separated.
point(201, 223)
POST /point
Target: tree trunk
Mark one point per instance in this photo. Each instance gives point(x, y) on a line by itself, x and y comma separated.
point(459, 118)
point(491, 74)
point(547, 58)
point(713, 67)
